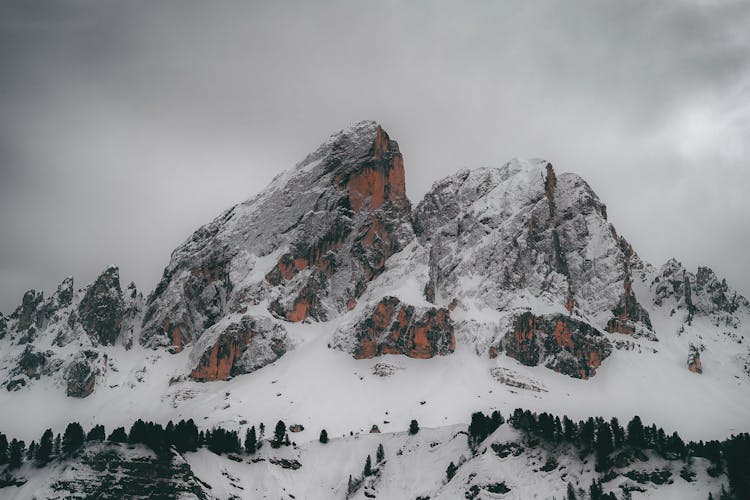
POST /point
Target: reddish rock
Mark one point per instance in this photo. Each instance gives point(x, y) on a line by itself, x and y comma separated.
point(396, 328)
point(381, 180)
point(217, 362)
point(174, 332)
point(305, 304)
point(564, 344)
point(374, 187)
point(224, 357)
point(694, 361)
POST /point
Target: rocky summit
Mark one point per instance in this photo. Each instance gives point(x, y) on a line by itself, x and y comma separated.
point(502, 287)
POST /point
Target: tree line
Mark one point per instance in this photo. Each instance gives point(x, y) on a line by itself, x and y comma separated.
point(594, 435)
point(603, 438)
point(183, 436)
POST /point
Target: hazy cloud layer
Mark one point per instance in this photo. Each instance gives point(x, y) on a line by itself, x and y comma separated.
point(126, 125)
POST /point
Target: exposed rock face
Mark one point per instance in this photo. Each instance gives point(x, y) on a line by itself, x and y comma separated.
point(26, 312)
point(559, 342)
point(241, 347)
point(521, 235)
point(628, 313)
point(694, 360)
point(308, 244)
point(102, 309)
point(701, 293)
point(61, 337)
point(31, 363)
point(64, 295)
point(80, 377)
point(392, 327)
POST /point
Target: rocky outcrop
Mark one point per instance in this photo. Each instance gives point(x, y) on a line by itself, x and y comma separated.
point(694, 360)
point(102, 308)
point(392, 327)
point(364, 229)
point(80, 376)
point(63, 297)
point(26, 313)
point(629, 316)
point(31, 363)
point(560, 343)
point(307, 246)
point(60, 335)
point(241, 347)
point(700, 293)
point(496, 235)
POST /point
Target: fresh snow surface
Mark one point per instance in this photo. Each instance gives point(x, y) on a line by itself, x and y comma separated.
point(321, 387)
point(415, 466)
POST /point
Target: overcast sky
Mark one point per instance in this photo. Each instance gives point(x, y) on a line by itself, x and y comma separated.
point(124, 126)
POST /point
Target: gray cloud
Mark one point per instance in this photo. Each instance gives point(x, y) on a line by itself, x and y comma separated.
point(126, 125)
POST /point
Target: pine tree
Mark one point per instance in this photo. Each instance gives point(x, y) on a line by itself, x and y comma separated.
point(278, 434)
point(44, 450)
point(3, 449)
point(118, 436)
point(618, 433)
point(137, 433)
point(323, 436)
point(450, 471)
point(251, 442)
point(169, 432)
point(603, 446)
point(586, 434)
point(350, 486)
point(96, 433)
point(596, 492)
point(380, 454)
point(413, 427)
point(31, 452)
point(185, 436)
point(58, 445)
point(571, 492)
point(368, 467)
point(73, 437)
point(15, 453)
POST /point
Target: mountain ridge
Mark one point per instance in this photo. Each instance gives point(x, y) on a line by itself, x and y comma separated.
point(515, 269)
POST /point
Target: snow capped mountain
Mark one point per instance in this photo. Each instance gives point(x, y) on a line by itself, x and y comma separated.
point(504, 287)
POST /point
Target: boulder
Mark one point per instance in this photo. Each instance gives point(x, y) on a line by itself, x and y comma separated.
point(240, 347)
point(560, 343)
point(393, 327)
point(80, 377)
